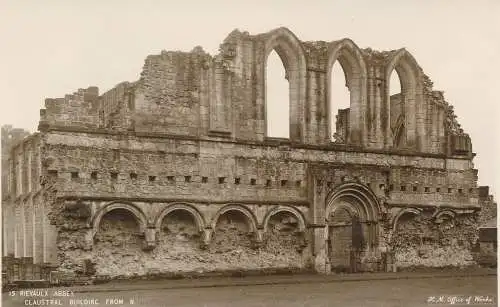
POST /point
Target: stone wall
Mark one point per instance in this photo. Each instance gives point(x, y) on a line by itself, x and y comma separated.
point(175, 172)
point(196, 94)
point(79, 110)
point(428, 241)
point(10, 136)
point(117, 247)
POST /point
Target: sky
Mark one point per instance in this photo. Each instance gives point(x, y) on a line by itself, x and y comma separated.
point(53, 47)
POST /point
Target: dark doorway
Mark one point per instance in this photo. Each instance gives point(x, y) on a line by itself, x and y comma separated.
point(345, 242)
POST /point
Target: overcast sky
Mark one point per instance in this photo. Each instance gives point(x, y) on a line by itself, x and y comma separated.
point(51, 48)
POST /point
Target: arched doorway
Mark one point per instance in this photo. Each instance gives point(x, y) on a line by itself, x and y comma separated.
point(351, 216)
point(345, 240)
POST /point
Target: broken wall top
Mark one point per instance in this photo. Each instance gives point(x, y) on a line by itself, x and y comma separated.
point(199, 95)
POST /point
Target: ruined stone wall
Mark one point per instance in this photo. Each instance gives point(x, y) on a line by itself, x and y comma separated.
point(488, 207)
point(427, 241)
point(238, 171)
point(154, 170)
point(27, 233)
point(10, 137)
point(409, 186)
point(117, 249)
point(196, 94)
point(116, 106)
point(169, 93)
point(77, 110)
point(117, 172)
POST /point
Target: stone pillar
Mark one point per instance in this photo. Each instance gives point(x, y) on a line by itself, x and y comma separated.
point(434, 117)
point(6, 231)
point(218, 98)
point(19, 226)
point(377, 90)
point(206, 238)
point(38, 230)
point(258, 238)
point(319, 249)
point(441, 134)
point(356, 98)
point(88, 241)
point(11, 229)
point(150, 238)
point(420, 106)
point(50, 243)
point(410, 117)
point(28, 235)
point(320, 132)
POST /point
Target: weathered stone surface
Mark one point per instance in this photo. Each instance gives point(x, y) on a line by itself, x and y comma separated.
point(175, 172)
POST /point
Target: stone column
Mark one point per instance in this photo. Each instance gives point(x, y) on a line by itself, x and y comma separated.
point(19, 226)
point(38, 231)
point(218, 98)
point(29, 234)
point(258, 238)
point(420, 106)
point(50, 243)
point(319, 248)
point(441, 134)
point(206, 237)
point(355, 128)
point(150, 238)
point(88, 242)
point(7, 231)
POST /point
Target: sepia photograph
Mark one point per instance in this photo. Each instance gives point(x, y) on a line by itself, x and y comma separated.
point(249, 153)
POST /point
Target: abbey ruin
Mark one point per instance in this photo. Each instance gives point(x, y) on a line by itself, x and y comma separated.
point(176, 172)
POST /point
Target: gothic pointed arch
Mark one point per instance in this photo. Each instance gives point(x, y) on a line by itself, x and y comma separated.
point(410, 75)
point(350, 58)
point(292, 54)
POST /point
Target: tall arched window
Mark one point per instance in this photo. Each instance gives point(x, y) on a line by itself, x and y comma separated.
point(277, 98)
point(406, 124)
point(281, 44)
point(346, 99)
point(339, 104)
point(397, 110)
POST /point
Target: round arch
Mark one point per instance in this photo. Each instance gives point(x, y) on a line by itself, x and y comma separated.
point(292, 54)
point(361, 198)
point(251, 219)
point(350, 58)
point(446, 212)
point(291, 210)
point(402, 212)
point(130, 207)
point(409, 73)
point(198, 218)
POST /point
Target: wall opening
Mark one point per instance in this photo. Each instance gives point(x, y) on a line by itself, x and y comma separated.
point(282, 234)
point(340, 240)
point(339, 104)
point(232, 232)
point(178, 232)
point(397, 110)
point(277, 98)
point(117, 244)
point(118, 228)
